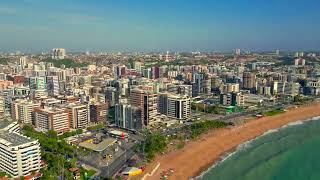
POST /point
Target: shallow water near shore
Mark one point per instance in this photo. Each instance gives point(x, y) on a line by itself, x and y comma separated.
point(291, 152)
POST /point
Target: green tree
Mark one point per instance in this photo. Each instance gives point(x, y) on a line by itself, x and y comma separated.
point(4, 61)
point(204, 61)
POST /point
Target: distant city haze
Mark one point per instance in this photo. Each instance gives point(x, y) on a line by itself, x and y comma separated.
point(159, 25)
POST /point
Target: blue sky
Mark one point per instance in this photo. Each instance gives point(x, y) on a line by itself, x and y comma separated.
point(159, 25)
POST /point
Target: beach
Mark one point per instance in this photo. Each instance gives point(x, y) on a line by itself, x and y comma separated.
point(197, 156)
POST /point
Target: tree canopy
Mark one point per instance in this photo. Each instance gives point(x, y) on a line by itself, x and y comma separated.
point(69, 63)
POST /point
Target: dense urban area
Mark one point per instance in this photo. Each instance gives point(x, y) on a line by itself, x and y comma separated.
point(99, 115)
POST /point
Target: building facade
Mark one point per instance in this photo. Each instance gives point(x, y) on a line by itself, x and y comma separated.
point(147, 102)
point(128, 117)
point(79, 116)
point(58, 53)
point(98, 112)
point(174, 106)
point(23, 110)
point(56, 119)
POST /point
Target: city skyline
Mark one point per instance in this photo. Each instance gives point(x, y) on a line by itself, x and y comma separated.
point(33, 25)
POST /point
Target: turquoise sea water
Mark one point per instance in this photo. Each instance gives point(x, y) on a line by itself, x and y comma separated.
point(289, 153)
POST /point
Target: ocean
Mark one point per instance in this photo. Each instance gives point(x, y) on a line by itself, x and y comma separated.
point(288, 153)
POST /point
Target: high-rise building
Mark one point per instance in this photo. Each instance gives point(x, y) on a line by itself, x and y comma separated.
point(292, 89)
point(112, 96)
point(231, 87)
point(20, 155)
point(238, 52)
point(253, 66)
point(274, 88)
point(23, 110)
point(264, 90)
point(120, 71)
point(147, 73)
point(123, 86)
point(201, 84)
point(155, 72)
point(299, 62)
point(168, 57)
point(137, 65)
point(182, 89)
point(48, 118)
point(53, 85)
point(2, 107)
point(232, 99)
point(174, 106)
point(99, 112)
point(280, 88)
point(249, 81)
point(128, 116)
point(23, 62)
point(58, 53)
point(147, 102)
point(299, 54)
point(79, 115)
point(37, 83)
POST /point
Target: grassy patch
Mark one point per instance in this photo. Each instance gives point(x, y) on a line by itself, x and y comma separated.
point(180, 145)
point(96, 127)
point(274, 112)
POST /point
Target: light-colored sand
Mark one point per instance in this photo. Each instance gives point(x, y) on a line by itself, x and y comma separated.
point(198, 155)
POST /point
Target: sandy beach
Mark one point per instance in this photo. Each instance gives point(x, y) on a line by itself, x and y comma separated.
point(199, 155)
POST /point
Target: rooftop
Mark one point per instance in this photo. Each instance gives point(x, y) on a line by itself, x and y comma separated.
point(103, 145)
point(13, 139)
point(6, 122)
point(52, 110)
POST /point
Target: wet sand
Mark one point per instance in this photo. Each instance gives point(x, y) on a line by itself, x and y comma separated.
point(197, 156)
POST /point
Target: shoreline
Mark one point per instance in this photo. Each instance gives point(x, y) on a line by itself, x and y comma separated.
point(200, 155)
point(237, 149)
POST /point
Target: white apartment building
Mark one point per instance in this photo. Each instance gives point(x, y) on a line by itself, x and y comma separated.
point(58, 53)
point(174, 106)
point(19, 155)
point(22, 110)
point(79, 115)
point(179, 107)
